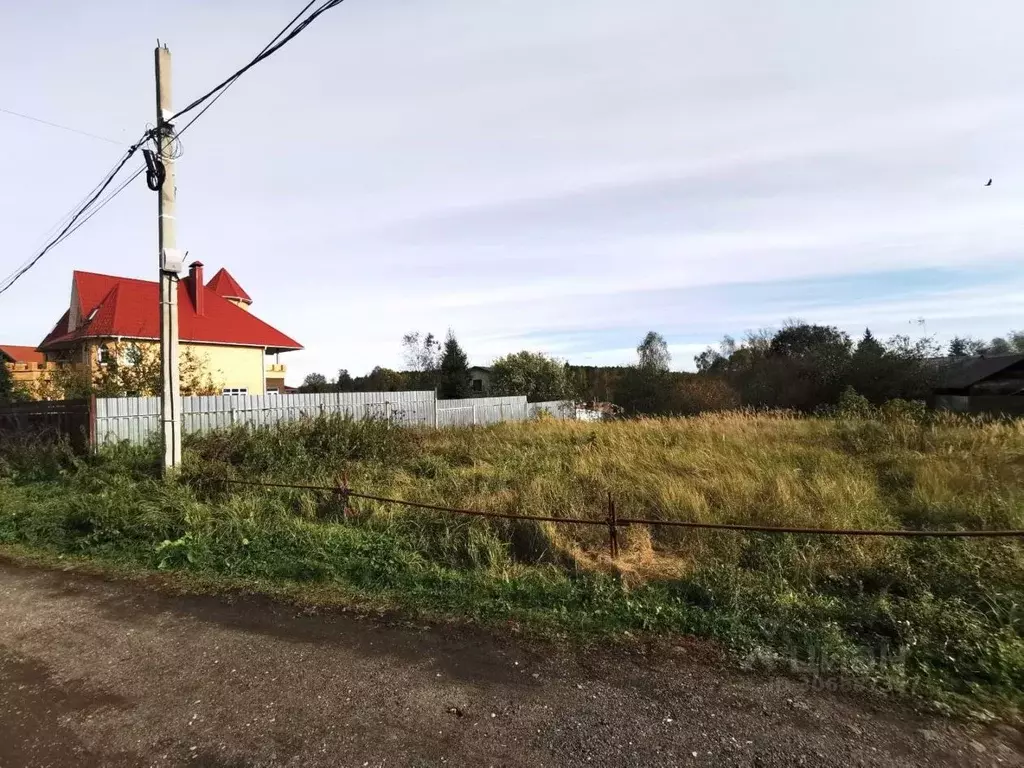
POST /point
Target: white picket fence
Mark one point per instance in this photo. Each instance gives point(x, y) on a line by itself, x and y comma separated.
point(136, 419)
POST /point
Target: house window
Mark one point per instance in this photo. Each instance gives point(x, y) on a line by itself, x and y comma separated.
point(235, 391)
point(102, 355)
point(478, 385)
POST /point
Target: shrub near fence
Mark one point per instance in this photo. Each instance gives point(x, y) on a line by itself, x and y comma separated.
point(44, 421)
point(135, 419)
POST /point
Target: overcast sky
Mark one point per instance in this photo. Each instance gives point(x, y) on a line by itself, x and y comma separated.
point(556, 176)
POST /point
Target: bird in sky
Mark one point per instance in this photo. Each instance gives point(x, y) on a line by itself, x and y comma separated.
point(988, 183)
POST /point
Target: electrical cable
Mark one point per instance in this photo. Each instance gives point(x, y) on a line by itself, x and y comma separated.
point(58, 125)
point(266, 53)
point(103, 203)
point(99, 190)
point(76, 219)
point(231, 80)
point(66, 219)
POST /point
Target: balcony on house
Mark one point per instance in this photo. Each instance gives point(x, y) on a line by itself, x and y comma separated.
point(275, 378)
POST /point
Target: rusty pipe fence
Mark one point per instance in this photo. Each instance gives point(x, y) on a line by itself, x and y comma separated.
point(613, 522)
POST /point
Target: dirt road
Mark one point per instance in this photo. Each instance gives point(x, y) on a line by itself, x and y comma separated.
point(94, 673)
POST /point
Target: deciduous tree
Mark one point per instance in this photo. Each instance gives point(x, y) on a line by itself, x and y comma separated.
point(533, 374)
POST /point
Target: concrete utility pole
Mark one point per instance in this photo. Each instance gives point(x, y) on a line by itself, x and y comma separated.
point(170, 266)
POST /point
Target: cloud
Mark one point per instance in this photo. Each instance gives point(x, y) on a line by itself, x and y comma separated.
point(553, 176)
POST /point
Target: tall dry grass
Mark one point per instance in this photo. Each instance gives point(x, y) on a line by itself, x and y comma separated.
point(946, 613)
point(759, 468)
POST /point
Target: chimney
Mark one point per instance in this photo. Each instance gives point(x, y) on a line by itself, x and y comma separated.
point(195, 285)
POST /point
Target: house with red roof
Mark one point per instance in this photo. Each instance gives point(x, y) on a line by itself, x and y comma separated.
point(215, 324)
point(26, 364)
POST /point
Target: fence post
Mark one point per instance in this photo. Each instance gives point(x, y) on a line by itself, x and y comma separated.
point(474, 415)
point(92, 423)
point(342, 491)
point(436, 424)
point(613, 528)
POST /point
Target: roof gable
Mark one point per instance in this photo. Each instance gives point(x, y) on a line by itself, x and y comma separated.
point(112, 307)
point(223, 284)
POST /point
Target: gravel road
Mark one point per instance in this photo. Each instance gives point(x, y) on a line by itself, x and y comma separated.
point(98, 673)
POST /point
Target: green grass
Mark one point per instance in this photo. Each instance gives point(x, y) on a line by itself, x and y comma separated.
point(940, 619)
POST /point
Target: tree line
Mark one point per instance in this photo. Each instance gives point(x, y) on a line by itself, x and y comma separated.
point(430, 365)
point(800, 366)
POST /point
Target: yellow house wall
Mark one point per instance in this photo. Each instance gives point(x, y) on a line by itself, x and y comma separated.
point(27, 373)
point(233, 367)
point(230, 367)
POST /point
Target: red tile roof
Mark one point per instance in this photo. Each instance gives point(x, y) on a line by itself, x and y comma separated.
point(19, 354)
point(223, 284)
point(112, 307)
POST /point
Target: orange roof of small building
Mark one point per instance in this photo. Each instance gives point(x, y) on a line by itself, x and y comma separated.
point(123, 307)
point(223, 284)
point(20, 354)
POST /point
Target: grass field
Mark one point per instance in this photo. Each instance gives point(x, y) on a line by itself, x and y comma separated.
point(941, 619)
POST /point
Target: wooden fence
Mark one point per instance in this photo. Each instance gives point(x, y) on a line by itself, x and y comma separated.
point(49, 420)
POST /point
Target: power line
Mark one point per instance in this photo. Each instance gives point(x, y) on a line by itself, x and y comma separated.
point(73, 225)
point(58, 125)
point(101, 188)
point(266, 53)
point(99, 207)
point(66, 219)
point(231, 81)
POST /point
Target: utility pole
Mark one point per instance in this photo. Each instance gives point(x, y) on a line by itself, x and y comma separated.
point(170, 266)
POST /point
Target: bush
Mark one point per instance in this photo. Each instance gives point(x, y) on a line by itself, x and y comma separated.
point(853, 405)
point(906, 410)
point(697, 394)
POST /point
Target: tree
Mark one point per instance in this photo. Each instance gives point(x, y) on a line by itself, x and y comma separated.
point(869, 373)
point(998, 346)
point(422, 351)
point(130, 370)
point(381, 380)
point(653, 353)
point(965, 346)
point(798, 339)
point(315, 382)
point(535, 375)
point(594, 383)
point(422, 354)
point(345, 382)
point(645, 387)
point(6, 383)
point(807, 365)
point(133, 370)
point(454, 370)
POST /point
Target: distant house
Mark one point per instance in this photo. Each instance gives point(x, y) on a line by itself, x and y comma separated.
point(982, 385)
point(26, 364)
point(214, 322)
point(480, 380)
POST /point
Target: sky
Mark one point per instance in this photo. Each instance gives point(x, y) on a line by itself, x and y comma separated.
point(559, 177)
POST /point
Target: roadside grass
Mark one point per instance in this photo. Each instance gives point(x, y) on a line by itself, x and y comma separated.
point(940, 620)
